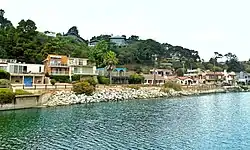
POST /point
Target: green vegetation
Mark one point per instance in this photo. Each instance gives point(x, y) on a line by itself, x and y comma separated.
point(53, 81)
point(22, 92)
point(26, 44)
point(172, 85)
point(61, 79)
point(103, 80)
point(136, 79)
point(4, 75)
point(83, 87)
point(76, 78)
point(6, 96)
point(4, 83)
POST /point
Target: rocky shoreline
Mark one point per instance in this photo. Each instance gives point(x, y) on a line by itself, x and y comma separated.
point(60, 98)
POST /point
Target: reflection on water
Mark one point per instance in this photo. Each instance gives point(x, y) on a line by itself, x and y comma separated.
point(208, 122)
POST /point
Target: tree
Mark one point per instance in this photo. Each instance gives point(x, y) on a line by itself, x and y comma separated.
point(96, 53)
point(110, 60)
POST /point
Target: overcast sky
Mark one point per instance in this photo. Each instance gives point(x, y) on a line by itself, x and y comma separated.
point(203, 25)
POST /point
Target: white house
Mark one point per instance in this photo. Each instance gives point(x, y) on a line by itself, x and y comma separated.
point(26, 74)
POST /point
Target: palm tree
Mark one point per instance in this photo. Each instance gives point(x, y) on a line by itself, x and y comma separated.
point(110, 61)
point(191, 61)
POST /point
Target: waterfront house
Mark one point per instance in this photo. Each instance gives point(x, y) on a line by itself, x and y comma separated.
point(62, 65)
point(243, 77)
point(22, 73)
point(82, 67)
point(186, 81)
point(119, 75)
point(56, 65)
point(162, 72)
point(149, 79)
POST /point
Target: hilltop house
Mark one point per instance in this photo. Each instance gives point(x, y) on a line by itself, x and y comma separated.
point(118, 40)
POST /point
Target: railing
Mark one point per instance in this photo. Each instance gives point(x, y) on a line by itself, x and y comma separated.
point(43, 87)
point(59, 65)
point(60, 73)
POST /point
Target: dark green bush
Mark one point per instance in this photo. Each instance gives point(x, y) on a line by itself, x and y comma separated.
point(83, 88)
point(6, 96)
point(4, 83)
point(53, 81)
point(136, 79)
point(61, 79)
point(103, 80)
point(4, 75)
point(173, 85)
point(76, 78)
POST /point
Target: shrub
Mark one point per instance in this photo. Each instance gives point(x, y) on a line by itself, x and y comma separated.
point(103, 80)
point(83, 88)
point(165, 90)
point(61, 79)
point(173, 85)
point(22, 92)
point(53, 81)
point(136, 87)
point(136, 79)
point(92, 81)
point(76, 78)
point(180, 72)
point(4, 75)
point(4, 83)
point(6, 96)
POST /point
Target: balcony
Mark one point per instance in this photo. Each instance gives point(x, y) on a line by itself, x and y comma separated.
point(59, 65)
point(85, 73)
point(60, 73)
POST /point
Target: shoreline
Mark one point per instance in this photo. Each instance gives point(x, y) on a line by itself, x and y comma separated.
point(115, 94)
point(63, 98)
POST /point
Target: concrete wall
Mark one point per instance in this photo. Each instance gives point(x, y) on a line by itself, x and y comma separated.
point(27, 100)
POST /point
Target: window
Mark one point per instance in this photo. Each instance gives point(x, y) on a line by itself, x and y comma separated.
point(40, 69)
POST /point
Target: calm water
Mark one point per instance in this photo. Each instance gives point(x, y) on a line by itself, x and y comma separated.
point(208, 122)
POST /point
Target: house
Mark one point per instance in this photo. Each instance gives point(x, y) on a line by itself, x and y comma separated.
point(119, 75)
point(118, 40)
point(93, 43)
point(195, 73)
point(214, 77)
point(162, 72)
point(81, 66)
point(22, 73)
point(186, 81)
point(243, 77)
point(62, 65)
point(150, 78)
point(230, 77)
point(56, 65)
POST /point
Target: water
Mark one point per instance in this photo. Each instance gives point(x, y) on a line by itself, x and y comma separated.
point(207, 122)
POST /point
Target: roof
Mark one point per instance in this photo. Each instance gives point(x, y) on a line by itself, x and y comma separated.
point(117, 37)
point(120, 69)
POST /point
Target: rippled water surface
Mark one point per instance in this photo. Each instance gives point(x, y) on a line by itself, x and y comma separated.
point(207, 122)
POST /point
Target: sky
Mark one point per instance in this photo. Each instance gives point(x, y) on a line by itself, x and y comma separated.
point(207, 26)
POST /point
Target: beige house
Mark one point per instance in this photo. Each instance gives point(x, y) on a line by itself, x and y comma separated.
point(149, 79)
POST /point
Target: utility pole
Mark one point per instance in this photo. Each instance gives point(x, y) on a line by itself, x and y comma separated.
point(155, 59)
